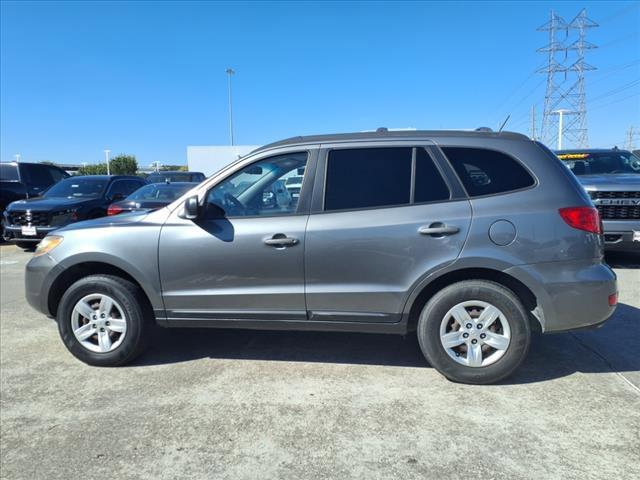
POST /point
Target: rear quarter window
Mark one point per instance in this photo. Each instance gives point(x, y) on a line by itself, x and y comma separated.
point(487, 172)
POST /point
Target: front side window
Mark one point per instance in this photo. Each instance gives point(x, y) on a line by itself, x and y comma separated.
point(487, 172)
point(161, 191)
point(123, 188)
point(38, 175)
point(258, 189)
point(8, 172)
point(367, 178)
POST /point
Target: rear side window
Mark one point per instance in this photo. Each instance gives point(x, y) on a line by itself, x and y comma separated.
point(486, 172)
point(368, 177)
point(430, 187)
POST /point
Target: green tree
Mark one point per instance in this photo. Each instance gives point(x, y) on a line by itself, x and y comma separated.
point(174, 168)
point(124, 165)
point(93, 169)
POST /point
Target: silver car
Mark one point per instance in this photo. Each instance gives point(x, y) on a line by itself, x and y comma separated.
point(473, 240)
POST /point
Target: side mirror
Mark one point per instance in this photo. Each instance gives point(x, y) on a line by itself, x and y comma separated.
point(191, 208)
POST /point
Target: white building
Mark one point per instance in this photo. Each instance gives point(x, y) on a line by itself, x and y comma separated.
point(210, 159)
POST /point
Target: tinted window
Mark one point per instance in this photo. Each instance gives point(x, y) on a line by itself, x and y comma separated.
point(37, 175)
point(124, 188)
point(8, 173)
point(259, 188)
point(430, 186)
point(485, 172)
point(161, 191)
point(368, 177)
point(57, 174)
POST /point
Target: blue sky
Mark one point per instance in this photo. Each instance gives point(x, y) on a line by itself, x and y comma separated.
point(148, 78)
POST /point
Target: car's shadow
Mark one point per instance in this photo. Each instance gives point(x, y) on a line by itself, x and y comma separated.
point(623, 260)
point(610, 348)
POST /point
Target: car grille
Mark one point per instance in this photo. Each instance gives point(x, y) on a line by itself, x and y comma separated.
point(617, 212)
point(38, 219)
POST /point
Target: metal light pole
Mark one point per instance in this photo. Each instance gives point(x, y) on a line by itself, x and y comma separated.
point(230, 72)
point(17, 155)
point(562, 113)
point(106, 156)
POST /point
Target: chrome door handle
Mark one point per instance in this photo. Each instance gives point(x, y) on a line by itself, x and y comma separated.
point(280, 240)
point(438, 229)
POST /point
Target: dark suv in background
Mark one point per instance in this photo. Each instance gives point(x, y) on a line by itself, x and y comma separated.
point(612, 178)
point(70, 200)
point(470, 239)
point(25, 180)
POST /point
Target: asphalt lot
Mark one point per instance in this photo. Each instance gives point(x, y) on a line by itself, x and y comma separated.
point(246, 404)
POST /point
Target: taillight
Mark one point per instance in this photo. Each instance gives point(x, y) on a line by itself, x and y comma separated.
point(613, 299)
point(582, 218)
point(114, 210)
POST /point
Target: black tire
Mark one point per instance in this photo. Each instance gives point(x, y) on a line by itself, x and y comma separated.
point(27, 245)
point(505, 300)
point(131, 299)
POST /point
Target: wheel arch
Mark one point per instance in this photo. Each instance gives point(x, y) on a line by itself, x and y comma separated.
point(84, 269)
point(424, 292)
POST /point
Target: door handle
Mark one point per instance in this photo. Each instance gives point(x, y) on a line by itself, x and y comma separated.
point(280, 240)
point(438, 229)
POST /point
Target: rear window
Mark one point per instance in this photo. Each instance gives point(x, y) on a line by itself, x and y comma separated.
point(487, 172)
point(8, 172)
point(368, 177)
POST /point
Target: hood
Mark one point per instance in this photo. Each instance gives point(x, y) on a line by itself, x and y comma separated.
point(617, 181)
point(116, 221)
point(49, 204)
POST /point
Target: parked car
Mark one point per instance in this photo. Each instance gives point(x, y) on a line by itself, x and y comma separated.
point(612, 179)
point(68, 201)
point(174, 176)
point(294, 185)
point(470, 239)
point(150, 197)
point(25, 180)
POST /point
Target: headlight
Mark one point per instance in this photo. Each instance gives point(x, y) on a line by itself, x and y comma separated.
point(47, 244)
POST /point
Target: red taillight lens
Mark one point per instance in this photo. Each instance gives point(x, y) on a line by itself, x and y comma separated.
point(582, 218)
point(613, 299)
point(114, 210)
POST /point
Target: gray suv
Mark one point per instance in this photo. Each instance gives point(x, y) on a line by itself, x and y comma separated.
point(470, 239)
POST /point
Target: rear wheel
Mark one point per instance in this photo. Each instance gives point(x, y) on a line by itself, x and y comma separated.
point(474, 331)
point(103, 320)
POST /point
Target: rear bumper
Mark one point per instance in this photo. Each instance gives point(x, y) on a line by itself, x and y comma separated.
point(622, 235)
point(570, 295)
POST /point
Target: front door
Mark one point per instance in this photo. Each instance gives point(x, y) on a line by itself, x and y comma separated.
point(243, 258)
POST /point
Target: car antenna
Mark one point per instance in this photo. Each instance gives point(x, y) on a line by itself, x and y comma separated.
point(504, 123)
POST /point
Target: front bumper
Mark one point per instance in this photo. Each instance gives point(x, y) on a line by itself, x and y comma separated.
point(570, 295)
point(39, 275)
point(622, 235)
point(13, 233)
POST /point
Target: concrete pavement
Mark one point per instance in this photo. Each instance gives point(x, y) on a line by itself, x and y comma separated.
point(246, 404)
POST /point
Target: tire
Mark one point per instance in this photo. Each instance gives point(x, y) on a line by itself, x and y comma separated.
point(478, 363)
point(129, 307)
point(27, 245)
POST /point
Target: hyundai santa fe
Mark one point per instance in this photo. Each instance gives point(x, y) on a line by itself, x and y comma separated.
point(472, 240)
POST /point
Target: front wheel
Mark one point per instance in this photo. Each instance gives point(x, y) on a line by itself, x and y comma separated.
point(474, 331)
point(103, 321)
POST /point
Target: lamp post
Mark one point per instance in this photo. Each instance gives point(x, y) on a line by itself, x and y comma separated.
point(230, 72)
point(106, 156)
point(562, 113)
point(17, 155)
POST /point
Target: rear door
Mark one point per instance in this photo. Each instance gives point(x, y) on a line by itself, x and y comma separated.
point(382, 218)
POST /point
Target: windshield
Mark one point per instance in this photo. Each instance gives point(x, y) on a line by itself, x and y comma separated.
point(77, 188)
point(599, 163)
point(160, 192)
point(8, 173)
